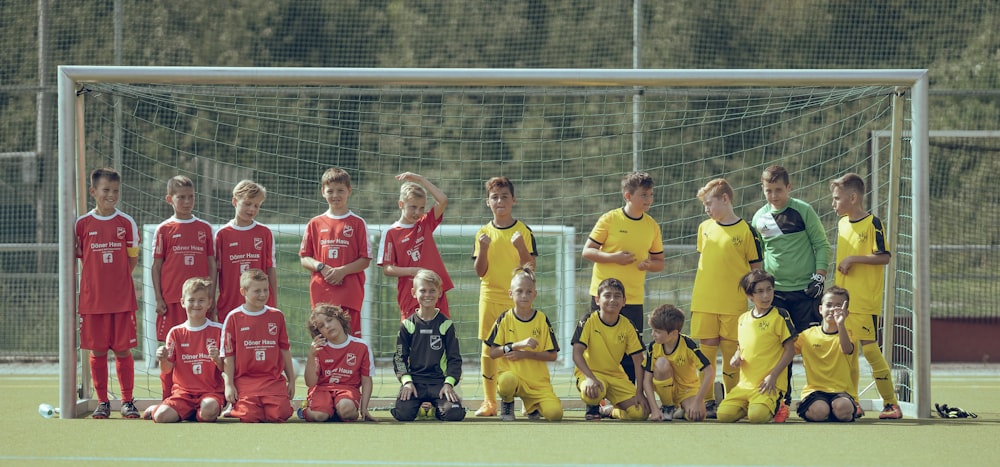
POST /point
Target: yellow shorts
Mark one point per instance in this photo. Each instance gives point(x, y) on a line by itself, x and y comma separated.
point(489, 312)
point(744, 398)
point(712, 325)
point(616, 389)
point(862, 327)
point(673, 392)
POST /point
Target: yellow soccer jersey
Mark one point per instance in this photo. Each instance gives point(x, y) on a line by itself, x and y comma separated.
point(761, 341)
point(828, 369)
point(502, 258)
point(865, 282)
point(615, 231)
point(606, 344)
point(685, 358)
point(509, 329)
point(727, 251)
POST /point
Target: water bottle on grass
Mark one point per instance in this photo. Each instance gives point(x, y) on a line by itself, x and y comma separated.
point(47, 410)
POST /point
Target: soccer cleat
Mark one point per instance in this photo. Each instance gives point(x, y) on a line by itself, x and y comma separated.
point(299, 412)
point(102, 411)
point(678, 413)
point(668, 412)
point(488, 409)
point(593, 412)
point(606, 410)
point(858, 411)
point(711, 409)
point(506, 411)
point(781, 414)
point(148, 413)
point(891, 412)
point(129, 410)
point(536, 415)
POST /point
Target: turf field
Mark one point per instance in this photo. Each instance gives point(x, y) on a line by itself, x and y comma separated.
point(28, 438)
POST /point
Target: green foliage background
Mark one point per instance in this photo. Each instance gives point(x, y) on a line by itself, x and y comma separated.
point(957, 41)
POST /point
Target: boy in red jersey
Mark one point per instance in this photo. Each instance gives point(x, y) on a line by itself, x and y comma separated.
point(107, 243)
point(255, 353)
point(244, 244)
point(192, 355)
point(338, 370)
point(182, 248)
point(408, 246)
point(335, 247)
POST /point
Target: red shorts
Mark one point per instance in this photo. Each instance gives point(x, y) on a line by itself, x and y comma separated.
point(186, 404)
point(255, 409)
point(325, 398)
point(355, 321)
point(103, 331)
point(175, 315)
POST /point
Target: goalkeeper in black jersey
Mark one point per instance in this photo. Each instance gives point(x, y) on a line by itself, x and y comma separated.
point(427, 359)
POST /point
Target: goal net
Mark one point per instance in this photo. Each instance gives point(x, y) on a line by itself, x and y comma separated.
point(564, 137)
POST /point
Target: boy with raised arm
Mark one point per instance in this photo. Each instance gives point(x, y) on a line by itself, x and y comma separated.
point(408, 245)
point(862, 253)
point(502, 245)
point(829, 356)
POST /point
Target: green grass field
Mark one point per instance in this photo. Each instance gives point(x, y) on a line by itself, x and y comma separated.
point(31, 439)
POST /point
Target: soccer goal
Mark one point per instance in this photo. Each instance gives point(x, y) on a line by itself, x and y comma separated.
point(563, 136)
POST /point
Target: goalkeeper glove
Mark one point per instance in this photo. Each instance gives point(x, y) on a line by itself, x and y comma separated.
point(816, 285)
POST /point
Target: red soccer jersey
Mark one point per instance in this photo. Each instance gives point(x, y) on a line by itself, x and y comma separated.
point(337, 241)
point(194, 371)
point(412, 245)
point(343, 365)
point(238, 249)
point(184, 246)
point(105, 277)
point(255, 340)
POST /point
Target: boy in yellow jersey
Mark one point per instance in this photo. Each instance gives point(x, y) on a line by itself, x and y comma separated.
point(625, 244)
point(523, 341)
point(862, 253)
point(828, 356)
point(767, 345)
point(502, 246)
point(672, 363)
point(729, 247)
point(600, 341)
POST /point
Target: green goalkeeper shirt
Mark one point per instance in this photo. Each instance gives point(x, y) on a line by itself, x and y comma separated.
point(794, 242)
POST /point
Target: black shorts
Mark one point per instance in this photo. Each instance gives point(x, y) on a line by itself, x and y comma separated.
point(817, 396)
point(803, 309)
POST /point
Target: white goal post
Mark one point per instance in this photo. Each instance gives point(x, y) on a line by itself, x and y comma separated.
point(912, 83)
